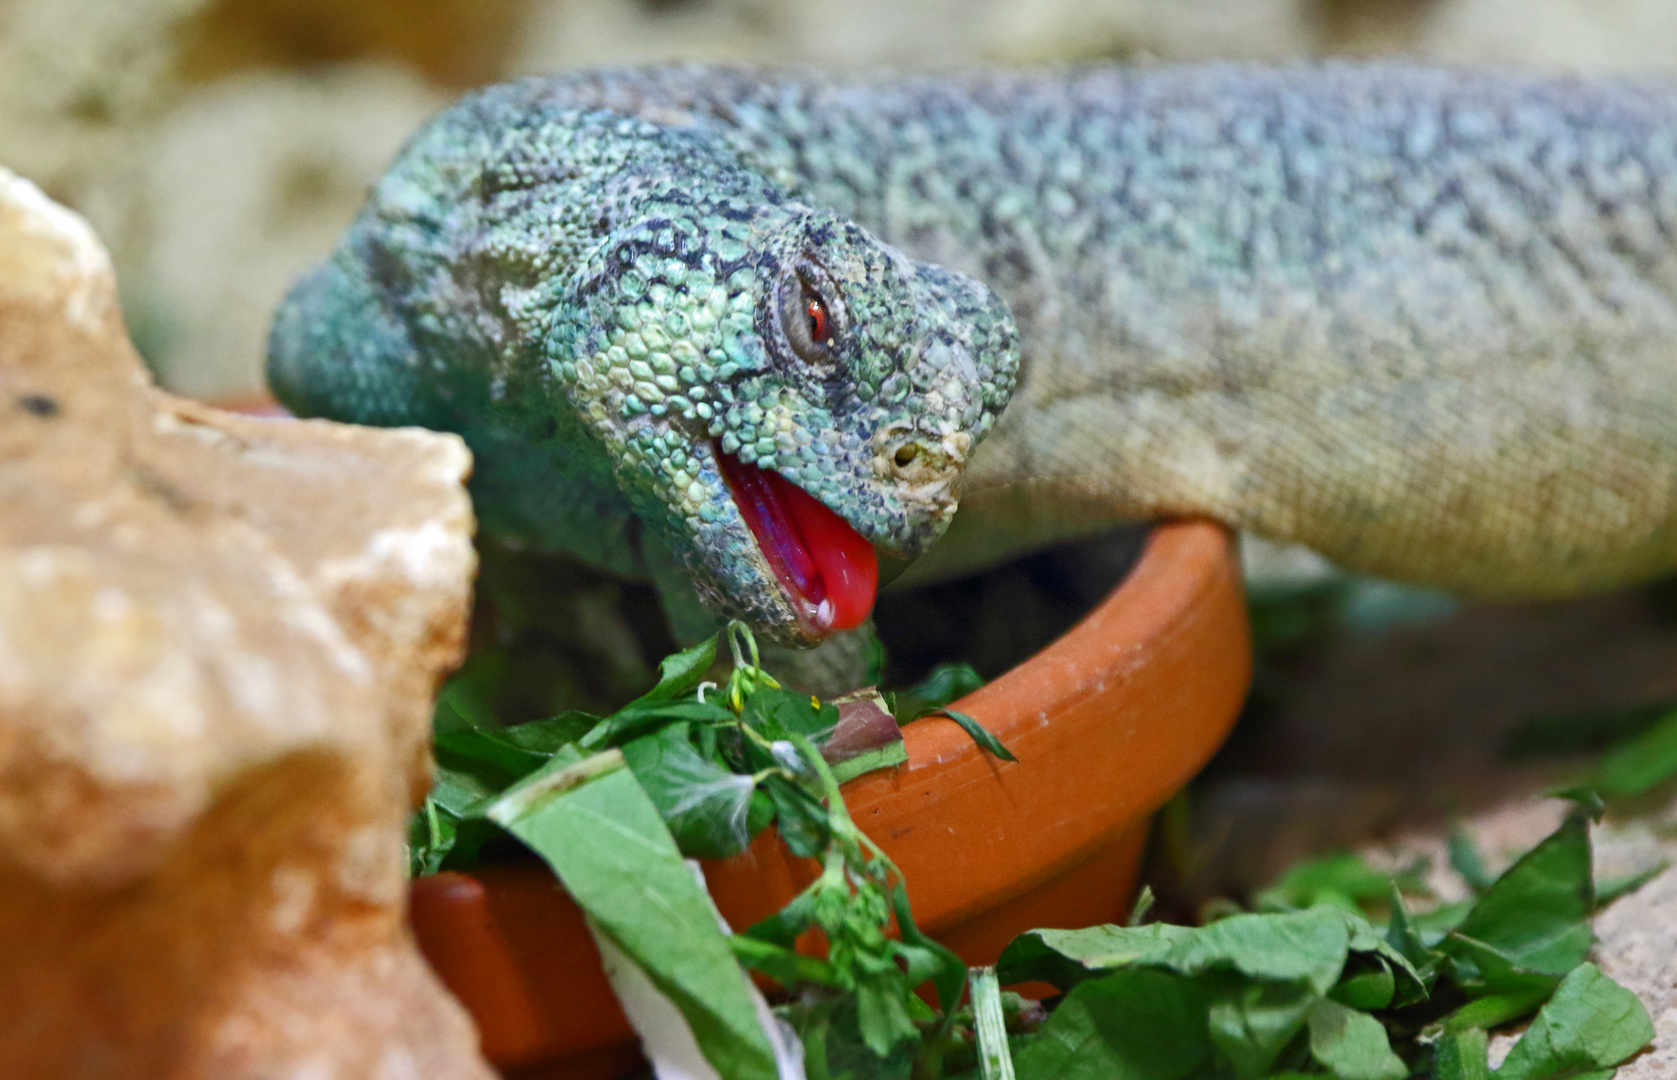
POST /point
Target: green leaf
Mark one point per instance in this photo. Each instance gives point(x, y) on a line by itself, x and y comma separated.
point(431, 835)
point(1498, 1009)
point(811, 1016)
point(1372, 987)
point(1368, 945)
point(680, 674)
point(874, 651)
point(1065, 958)
point(1252, 1022)
point(1302, 946)
point(1642, 764)
point(1435, 924)
point(639, 717)
point(1137, 1024)
point(1344, 880)
point(799, 816)
point(1402, 934)
point(946, 683)
point(1588, 800)
point(486, 747)
point(1404, 937)
point(882, 1014)
point(785, 966)
point(949, 971)
point(844, 1055)
point(1611, 889)
point(473, 765)
point(706, 806)
point(1143, 904)
point(520, 749)
point(1305, 946)
point(459, 705)
point(548, 735)
point(1466, 860)
point(1591, 1024)
point(1538, 911)
point(881, 757)
point(596, 827)
point(777, 712)
point(459, 785)
point(1480, 969)
point(980, 735)
point(783, 927)
point(1352, 1045)
point(1462, 1055)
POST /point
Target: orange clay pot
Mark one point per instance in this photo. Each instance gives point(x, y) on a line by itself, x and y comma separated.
point(1107, 723)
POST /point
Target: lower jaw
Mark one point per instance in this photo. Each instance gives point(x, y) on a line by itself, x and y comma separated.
point(781, 515)
point(811, 626)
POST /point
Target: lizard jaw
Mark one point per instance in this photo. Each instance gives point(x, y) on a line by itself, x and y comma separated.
point(826, 569)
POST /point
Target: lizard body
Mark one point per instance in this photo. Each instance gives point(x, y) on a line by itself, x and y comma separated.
point(1422, 321)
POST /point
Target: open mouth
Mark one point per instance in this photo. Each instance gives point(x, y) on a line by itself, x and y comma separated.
point(825, 566)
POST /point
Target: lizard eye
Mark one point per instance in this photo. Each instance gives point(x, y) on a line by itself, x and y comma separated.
point(808, 317)
point(817, 312)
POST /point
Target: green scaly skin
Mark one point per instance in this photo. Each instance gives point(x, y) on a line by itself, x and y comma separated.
point(1422, 321)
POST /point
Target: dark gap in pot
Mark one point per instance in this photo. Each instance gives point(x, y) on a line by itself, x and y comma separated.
point(997, 619)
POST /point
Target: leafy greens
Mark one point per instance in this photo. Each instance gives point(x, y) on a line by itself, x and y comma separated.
point(1306, 984)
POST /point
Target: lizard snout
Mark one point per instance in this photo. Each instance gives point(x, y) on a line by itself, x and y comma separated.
point(925, 469)
point(922, 454)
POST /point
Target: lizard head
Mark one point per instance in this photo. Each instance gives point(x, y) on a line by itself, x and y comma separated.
point(782, 394)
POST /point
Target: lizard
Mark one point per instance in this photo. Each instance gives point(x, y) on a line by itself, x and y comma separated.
point(740, 330)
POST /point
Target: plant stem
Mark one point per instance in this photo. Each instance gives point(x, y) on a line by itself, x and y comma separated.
point(995, 1062)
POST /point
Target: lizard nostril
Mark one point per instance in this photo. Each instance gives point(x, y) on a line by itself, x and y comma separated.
point(918, 459)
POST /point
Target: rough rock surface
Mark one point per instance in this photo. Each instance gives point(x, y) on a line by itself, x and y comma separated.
point(219, 637)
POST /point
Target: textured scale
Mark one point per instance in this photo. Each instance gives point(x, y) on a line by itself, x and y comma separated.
point(1422, 321)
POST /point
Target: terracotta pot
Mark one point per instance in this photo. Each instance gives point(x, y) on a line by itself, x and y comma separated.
point(1107, 723)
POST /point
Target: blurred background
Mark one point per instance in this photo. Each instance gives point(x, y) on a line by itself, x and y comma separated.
point(219, 145)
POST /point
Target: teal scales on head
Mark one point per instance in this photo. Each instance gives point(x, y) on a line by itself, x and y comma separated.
point(1423, 321)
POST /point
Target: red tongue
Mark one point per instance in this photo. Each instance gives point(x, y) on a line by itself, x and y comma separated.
point(811, 549)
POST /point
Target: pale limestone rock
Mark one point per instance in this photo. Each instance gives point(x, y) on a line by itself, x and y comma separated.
point(219, 637)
